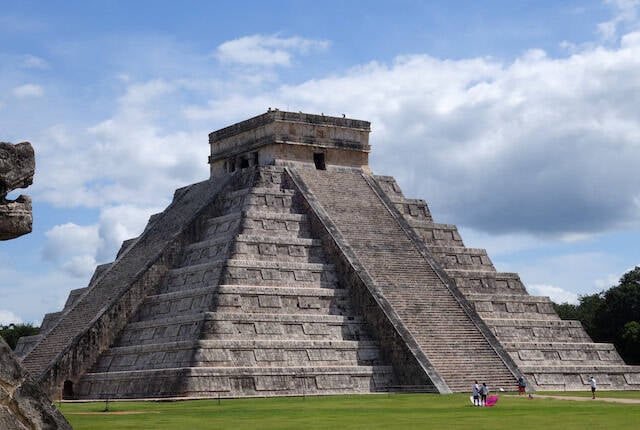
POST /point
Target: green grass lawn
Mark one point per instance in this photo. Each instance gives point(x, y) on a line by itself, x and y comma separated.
point(396, 411)
point(587, 393)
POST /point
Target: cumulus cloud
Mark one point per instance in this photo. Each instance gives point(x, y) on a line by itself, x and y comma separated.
point(556, 294)
point(625, 13)
point(70, 238)
point(535, 146)
point(574, 272)
point(28, 90)
point(119, 223)
point(263, 50)
point(538, 145)
point(138, 155)
point(8, 317)
point(30, 297)
point(77, 249)
point(72, 248)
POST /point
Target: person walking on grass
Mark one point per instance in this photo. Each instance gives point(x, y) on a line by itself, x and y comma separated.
point(476, 394)
point(592, 382)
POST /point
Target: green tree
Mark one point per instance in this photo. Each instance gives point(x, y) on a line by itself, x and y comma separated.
point(12, 332)
point(631, 340)
point(566, 311)
point(612, 315)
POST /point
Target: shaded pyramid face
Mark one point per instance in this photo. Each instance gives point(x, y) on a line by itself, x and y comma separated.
point(301, 275)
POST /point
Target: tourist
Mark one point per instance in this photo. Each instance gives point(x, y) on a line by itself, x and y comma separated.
point(476, 394)
point(484, 390)
point(522, 386)
point(592, 382)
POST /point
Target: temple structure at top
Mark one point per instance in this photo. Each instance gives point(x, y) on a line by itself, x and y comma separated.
point(287, 138)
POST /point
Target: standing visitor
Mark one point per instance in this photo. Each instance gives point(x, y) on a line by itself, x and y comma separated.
point(522, 386)
point(484, 390)
point(592, 382)
point(476, 394)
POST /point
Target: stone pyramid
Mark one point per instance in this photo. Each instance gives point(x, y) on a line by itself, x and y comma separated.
point(294, 270)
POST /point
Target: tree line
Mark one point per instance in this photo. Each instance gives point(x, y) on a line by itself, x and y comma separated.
point(611, 316)
point(12, 332)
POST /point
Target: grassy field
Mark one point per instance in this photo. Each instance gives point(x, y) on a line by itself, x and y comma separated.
point(396, 411)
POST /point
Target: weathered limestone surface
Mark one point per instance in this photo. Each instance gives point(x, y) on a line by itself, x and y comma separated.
point(17, 166)
point(23, 405)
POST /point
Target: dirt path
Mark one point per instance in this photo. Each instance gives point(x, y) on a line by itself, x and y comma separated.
point(588, 399)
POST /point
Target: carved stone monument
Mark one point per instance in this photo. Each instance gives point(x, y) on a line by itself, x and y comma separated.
point(294, 270)
point(23, 404)
point(17, 165)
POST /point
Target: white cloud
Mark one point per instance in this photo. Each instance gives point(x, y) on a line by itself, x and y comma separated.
point(72, 248)
point(80, 266)
point(262, 50)
point(556, 294)
point(625, 13)
point(32, 294)
point(28, 90)
point(8, 317)
point(539, 145)
point(118, 224)
point(498, 245)
point(573, 272)
point(70, 239)
point(609, 281)
point(33, 62)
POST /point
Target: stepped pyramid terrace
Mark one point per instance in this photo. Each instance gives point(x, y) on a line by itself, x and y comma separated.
point(295, 270)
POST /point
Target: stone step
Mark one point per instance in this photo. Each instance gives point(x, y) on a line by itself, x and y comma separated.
point(214, 325)
point(193, 276)
point(242, 298)
point(435, 234)
point(75, 294)
point(458, 257)
point(534, 330)
point(277, 248)
point(261, 223)
point(563, 353)
point(239, 353)
point(487, 282)
point(516, 306)
point(286, 273)
point(225, 224)
point(25, 344)
point(213, 248)
point(577, 377)
point(254, 198)
point(252, 272)
point(236, 382)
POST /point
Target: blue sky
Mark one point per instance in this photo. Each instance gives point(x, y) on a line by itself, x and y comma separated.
point(515, 120)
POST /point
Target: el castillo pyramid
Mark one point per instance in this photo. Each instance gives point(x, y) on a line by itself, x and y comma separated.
point(294, 270)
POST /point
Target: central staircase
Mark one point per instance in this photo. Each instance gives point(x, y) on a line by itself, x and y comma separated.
point(436, 319)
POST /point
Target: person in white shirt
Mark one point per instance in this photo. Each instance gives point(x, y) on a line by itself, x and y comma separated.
point(592, 382)
point(476, 394)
